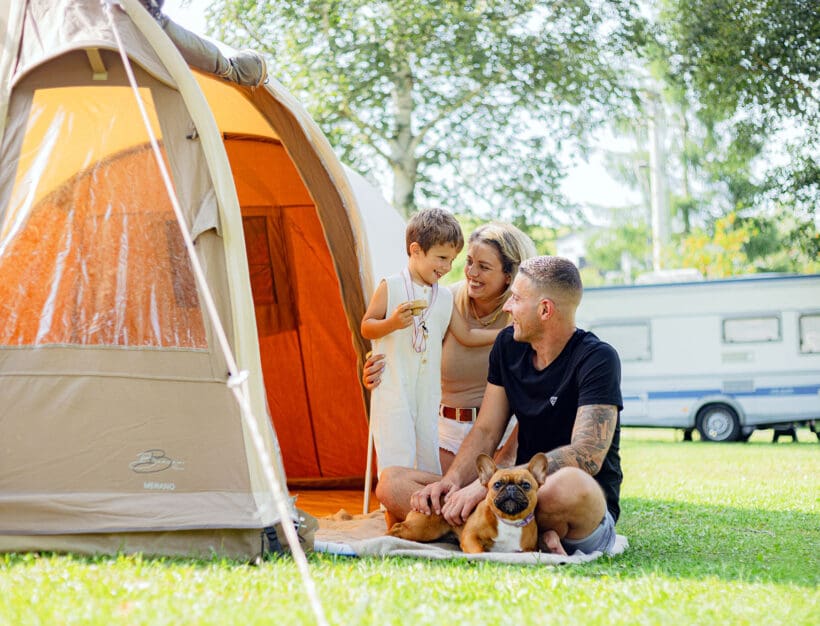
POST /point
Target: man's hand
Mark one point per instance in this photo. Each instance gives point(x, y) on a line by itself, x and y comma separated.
point(428, 499)
point(459, 504)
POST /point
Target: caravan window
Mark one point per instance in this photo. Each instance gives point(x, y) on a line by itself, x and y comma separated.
point(630, 340)
point(751, 329)
point(810, 333)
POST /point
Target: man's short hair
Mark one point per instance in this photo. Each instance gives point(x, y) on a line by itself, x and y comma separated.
point(431, 227)
point(556, 277)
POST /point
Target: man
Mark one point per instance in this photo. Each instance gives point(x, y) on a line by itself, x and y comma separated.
point(563, 385)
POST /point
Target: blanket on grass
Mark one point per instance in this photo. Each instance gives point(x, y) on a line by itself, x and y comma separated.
point(364, 535)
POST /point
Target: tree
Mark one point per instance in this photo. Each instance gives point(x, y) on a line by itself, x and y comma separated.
point(740, 92)
point(753, 68)
point(463, 103)
point(719, 251)
point(735, 244)
point(623, 250)
point(783, 242)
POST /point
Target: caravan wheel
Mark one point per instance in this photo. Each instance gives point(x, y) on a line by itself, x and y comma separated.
point(718, 422)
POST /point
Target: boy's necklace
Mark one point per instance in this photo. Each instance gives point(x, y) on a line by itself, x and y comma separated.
point(419, 321)
point(479, 320)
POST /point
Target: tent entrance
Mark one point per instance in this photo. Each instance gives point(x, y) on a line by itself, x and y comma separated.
point(309, 363)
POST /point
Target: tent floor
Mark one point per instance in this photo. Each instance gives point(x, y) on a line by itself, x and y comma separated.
point(324, 502)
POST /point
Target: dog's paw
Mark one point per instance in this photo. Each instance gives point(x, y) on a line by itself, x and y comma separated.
point(397, 530)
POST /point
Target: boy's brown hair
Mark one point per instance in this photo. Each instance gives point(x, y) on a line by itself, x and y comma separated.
point(431, 227)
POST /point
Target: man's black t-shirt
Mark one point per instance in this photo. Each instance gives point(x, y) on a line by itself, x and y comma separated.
point(588, 371)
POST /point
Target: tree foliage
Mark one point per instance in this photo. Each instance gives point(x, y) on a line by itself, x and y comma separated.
point(464, 103)
point(625, 247)
point(747, 54)
point(719, 251)
point(741, 103)
point(752, 70)
point(475, 106)
point(734, 244)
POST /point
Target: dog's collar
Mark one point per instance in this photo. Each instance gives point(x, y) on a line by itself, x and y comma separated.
point(518, 523)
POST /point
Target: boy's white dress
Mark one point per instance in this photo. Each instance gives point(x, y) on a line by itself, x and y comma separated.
point(404, 407)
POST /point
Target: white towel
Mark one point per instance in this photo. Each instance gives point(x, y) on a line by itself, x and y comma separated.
point(364, 535)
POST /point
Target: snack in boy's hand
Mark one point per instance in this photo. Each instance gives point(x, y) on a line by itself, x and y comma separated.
point(417, 306)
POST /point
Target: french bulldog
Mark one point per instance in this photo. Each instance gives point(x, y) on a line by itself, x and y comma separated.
point(503, 522)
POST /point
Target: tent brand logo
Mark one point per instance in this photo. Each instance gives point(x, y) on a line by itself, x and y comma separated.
point(154, 460)
point(553, 400)
point(150, 484)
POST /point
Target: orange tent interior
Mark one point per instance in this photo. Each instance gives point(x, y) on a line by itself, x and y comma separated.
point(308, 361)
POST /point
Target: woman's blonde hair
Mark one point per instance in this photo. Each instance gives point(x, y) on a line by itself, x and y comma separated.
point(513, 247)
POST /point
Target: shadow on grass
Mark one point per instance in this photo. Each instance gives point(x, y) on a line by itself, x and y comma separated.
point(679, 539)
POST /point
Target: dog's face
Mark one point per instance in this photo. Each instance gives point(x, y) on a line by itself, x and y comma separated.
point(512, 493)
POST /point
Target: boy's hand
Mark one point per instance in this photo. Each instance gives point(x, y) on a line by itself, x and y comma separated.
point(402, 316)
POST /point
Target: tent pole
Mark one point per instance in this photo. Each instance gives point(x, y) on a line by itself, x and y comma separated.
point(368, 474)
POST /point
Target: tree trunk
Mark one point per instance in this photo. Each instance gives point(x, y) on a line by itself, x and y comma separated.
point(657, 175)
point(687, 206)
point(402, 160)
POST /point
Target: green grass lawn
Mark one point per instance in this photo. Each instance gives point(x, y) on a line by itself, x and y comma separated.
point(718, 533)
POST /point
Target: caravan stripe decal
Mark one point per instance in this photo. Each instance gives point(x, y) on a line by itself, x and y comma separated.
point(802, 390)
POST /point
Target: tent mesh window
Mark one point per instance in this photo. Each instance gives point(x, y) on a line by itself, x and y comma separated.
point(89, 251)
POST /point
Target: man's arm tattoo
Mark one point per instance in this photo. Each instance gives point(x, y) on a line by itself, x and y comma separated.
point(591, 438)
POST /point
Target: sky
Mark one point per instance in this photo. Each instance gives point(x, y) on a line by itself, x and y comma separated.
point(586, 183)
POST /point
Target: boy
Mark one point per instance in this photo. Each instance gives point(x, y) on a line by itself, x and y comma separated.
point(404, 408)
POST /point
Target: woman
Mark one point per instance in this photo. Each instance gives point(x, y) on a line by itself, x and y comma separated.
point(494, 252)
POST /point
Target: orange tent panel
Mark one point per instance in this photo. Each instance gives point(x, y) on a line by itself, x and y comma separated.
point(308, 359)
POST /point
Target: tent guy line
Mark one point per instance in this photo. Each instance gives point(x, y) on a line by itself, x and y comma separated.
point(237, 379)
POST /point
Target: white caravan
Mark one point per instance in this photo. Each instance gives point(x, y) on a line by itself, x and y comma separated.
point(723, 356)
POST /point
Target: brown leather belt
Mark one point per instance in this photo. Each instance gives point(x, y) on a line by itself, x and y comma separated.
point(459, 415)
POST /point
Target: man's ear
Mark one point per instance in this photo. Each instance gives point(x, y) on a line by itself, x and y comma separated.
point(546, 308)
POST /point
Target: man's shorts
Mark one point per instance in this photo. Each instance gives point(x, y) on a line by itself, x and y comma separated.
point(602, 539)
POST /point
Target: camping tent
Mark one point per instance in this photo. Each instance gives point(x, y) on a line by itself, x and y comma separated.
point(117, 430)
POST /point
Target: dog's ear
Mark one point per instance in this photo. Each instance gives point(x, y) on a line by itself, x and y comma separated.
point(538, 467)
point(486, 468)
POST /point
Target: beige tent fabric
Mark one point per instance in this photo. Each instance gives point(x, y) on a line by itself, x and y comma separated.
point(117, 431)
point(237, 288)
point(204, 544)
point(54, 28)
point(11, 18)
point(114, 407)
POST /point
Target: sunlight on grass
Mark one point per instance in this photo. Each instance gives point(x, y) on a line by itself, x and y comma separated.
point(719, 534)
point(760, 475)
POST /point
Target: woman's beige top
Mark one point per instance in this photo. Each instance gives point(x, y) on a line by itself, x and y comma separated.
point(463, 369)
